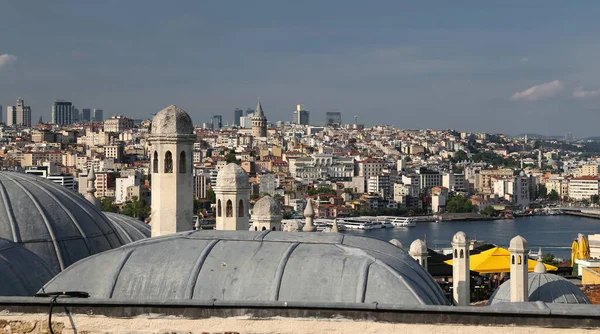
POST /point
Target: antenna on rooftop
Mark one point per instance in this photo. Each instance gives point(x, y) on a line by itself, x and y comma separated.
point(355, 119)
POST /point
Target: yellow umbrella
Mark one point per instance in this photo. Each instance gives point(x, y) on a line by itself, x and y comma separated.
point(574, 252)
point(584, 248)
point(497, 260)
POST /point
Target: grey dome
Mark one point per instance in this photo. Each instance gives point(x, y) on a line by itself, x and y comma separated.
point(544, 287)
point(172, 121)
point(55, 223)
point(22, 273)
point(232, 176)
point(255, 266)
point(128, 228)
point(267, 207)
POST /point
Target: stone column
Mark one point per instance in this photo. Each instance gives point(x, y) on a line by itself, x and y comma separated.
point(461, 274)
point(518, 270)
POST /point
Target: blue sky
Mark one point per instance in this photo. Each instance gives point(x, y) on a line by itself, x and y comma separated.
point(494, 66)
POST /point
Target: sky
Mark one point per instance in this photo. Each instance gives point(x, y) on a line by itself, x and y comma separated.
point(482, 66)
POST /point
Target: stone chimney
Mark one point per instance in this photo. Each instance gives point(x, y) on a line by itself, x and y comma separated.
point(461, 274)
point(518, 270)
point(418, 251)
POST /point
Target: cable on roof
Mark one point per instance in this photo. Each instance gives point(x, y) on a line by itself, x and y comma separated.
point(55, 295)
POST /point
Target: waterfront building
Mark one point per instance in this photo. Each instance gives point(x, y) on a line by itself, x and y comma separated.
point(584, 187)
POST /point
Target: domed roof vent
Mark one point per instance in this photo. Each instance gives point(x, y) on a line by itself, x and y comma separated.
point(129, 229)
point(22, 273)
point(267, 207)
point(172, 121)
point(232, 176)
point(55, 223)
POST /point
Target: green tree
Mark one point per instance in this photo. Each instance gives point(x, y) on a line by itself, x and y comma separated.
point(459, 204)
point(321, 190)
point(595, 199)
point(553, 196)
point(136, 209)
point(198, 206)
point(489, 211)
point(543, 192)
point(106, 205)
point(231, 158)
point(550, 259)
point(211, 197)
point(460, 156)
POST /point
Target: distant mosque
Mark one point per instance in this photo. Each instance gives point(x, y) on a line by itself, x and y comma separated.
point(55, 240)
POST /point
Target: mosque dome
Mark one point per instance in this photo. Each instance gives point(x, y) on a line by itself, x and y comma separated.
point(128, 228)
point(548, 288)
point(260, 267)
point(267, 207)
point(22, 273)
point(55, 223)
point(232, 176)
point(172, 121)
point(418, 247)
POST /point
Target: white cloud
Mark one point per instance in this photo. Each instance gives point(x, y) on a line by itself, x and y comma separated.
point(581, 93)
point(524, 59)
point(7, 60)
point(539, 92)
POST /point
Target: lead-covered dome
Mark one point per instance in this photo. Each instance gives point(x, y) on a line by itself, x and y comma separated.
point(128, 228)
point(232, 176)
point(55, 223)
point(172, 121)
point(22, 273)
point(256, 267)
point(267, 207)
point(544, 287)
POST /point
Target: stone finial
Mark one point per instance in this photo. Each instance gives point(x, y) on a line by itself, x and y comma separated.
point(91, 188)
point(197, 225)
point(540, 268)
point(396, 243)
point(309, 215)
point(334, 227)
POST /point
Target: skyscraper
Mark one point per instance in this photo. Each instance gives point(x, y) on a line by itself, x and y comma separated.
point(1, 111)
point(75, 116)
point(98, 115)
point(333, 118)
point(301, 116)
point(85, 115)
point(19, 115)
point(237, 113)
point(62, 112)
point(217, 121)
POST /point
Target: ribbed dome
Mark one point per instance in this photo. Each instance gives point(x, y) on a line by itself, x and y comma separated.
point(267, 207)
point(129, 229)
point(232, 176)
point(544, 287)
point(55, 223)
point(255, 267)
point(22, 273)
point(172, 121)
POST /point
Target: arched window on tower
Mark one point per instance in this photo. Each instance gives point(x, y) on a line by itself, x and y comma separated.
point(182, 162)
point(219, 208)
point(155, 163)
point(229, 209)
point(462, 254)
point(241, 208)
point(168, 162)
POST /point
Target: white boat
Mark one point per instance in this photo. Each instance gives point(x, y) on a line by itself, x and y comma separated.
point(402, 221)
point(354, 224)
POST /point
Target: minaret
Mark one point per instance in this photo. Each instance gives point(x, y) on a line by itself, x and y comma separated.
point(171, 140)
point(309, 215)
point(418, 251)
point(233, 194)
point(91, 189)
point(461, 274)
point(518, 270)
point(259, 122)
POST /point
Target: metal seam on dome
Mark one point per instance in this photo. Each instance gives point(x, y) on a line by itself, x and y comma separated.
point(21, 279)
point(119, 227)
point(281, 269)
point(195, 273)
point(78, 200)
point(403, 279)
point(123, 220)
point(46, 222)
point(67, 211)
point(118, 271)
point(9, 212)
point(361, 286)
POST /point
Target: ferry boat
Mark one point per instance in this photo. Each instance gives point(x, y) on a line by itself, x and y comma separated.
point(401, 221)
point(355, 224)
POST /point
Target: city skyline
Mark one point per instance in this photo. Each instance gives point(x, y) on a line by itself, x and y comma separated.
point(511, 68)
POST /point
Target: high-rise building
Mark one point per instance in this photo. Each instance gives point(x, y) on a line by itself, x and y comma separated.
point(301, 116)
point(333, 118)
point(62, 112)
point(85, 115)
point(237, 113)
point(75, 116)
point(217, 121)
point(18, 115)
point(98, 115)
point(1, 110)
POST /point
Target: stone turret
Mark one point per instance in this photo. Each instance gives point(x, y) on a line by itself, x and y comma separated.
point(91, 188)
point(418, 251)
point(519, 270)
point(461, 274)
point(309, 215)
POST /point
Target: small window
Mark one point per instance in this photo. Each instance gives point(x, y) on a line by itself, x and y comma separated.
point(519, 259)
point(241, 208)
point(273, 229)
point(455, 254)
point(182, 163)
point(264, 228)
point(512, 259)
point(229, 209)
point(155, 163)
point(418, 261)
point(168, 162)
point(255, 228)
point(219, 208)
point(462, 254)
